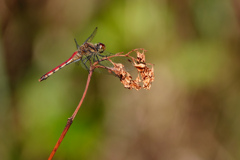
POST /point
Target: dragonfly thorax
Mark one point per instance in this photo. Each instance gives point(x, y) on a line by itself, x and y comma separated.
point(101, 47)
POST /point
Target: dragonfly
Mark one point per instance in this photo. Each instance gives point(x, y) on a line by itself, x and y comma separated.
point(85, 53)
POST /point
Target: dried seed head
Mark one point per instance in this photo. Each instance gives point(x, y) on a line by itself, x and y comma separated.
point(140, 57)
point(145, 74)
point(125, 77)
point(148, 77)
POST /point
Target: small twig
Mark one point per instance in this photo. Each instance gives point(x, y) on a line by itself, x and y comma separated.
point(70, 120)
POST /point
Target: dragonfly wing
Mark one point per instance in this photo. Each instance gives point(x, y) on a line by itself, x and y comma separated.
point(90, 38)
point(77, 45)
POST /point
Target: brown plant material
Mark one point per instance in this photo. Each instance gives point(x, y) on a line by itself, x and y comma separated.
point(118, 69)
point(126, 78)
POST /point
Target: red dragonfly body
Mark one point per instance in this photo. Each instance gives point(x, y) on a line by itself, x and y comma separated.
point(85, 53)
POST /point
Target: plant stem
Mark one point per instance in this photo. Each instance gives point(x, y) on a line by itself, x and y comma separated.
point(70, 120)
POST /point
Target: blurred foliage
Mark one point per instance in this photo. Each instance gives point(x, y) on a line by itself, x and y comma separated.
point(191, 111)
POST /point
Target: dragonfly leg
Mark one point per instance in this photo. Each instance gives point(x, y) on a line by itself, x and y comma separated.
point(102, 55)
point(99, 62)
point(85, 60)
point(85, 65)
point(95, 57)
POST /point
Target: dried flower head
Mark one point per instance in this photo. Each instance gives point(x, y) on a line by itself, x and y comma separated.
point(145, 74)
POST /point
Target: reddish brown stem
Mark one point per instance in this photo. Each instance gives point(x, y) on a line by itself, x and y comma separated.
point(70, 120)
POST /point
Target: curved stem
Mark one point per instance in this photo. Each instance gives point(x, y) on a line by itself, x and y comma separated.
point(70, 120)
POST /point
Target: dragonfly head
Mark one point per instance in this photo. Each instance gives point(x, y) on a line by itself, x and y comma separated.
point(101, 47)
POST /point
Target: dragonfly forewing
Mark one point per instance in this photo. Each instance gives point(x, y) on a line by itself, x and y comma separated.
point(90, 38)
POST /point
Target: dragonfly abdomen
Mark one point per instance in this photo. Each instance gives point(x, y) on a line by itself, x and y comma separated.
point(70, 60)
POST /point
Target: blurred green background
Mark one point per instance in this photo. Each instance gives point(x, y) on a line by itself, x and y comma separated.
point(191, 112)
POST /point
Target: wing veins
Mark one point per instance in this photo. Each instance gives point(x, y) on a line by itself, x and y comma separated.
point(90, 38)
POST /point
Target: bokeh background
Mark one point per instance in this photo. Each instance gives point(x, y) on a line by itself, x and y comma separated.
point(191, 112)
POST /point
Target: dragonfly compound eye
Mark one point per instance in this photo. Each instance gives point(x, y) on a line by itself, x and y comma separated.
point(101, 47)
